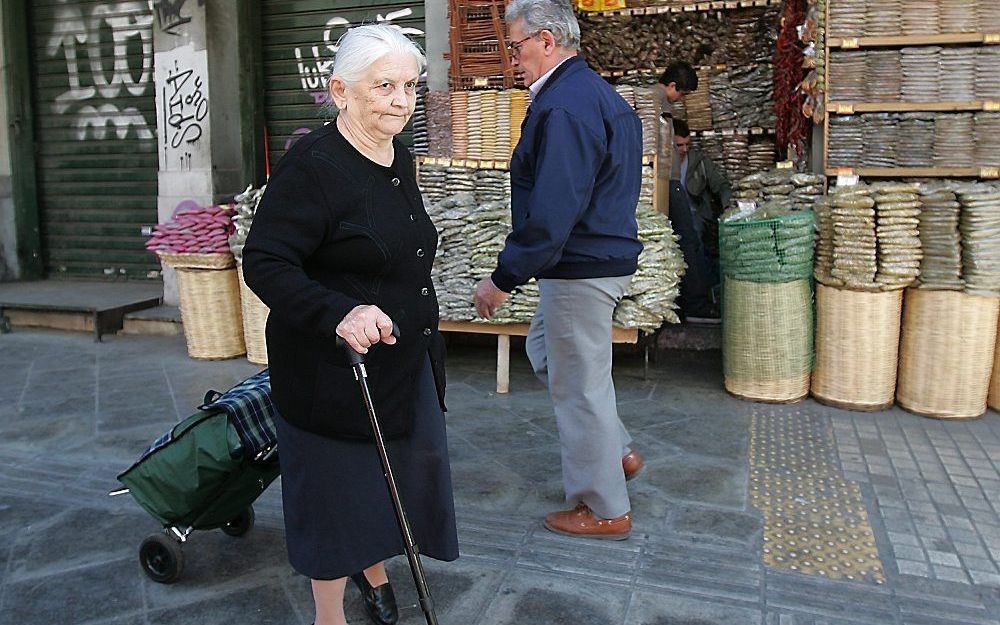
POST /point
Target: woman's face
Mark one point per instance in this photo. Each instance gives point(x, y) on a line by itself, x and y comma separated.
point(383, 100)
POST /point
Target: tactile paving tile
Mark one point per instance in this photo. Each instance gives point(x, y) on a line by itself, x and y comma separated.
point(815, 521)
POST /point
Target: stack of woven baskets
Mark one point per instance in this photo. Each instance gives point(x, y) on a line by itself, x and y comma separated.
point(766, 259)
point(194, 244)
point(254, 311)
point(935, 354)
point(948, 347)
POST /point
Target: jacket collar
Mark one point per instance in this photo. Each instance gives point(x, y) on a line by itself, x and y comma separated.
point(571, 63)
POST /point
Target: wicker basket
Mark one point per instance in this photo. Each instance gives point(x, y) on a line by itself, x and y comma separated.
point(994, 398)
point(857, 348)
point(254, 321)
point(210, 304)
point(767, 339)
point(946, 353)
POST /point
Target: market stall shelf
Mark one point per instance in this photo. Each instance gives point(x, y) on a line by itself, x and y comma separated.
point(985, 173)
point(855, 43)
point(946, 353)
point(504, 331)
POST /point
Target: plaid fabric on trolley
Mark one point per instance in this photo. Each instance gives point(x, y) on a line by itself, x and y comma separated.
point(251, 411)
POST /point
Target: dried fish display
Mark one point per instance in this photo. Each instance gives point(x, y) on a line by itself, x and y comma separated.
point(418, 121)
point(847, 17)
point(736, 155)
point(958, 69)
point(940, 240)
point(652, 295)
point(873, 18)
point(954, 141)
point(881, 134)
point(980, 228)
point(847, 142)
point(916, 140)
point(766, 244)
point(623, 43)
point(989, 16)
point(987, 76)
point(987, 132)
point(886, 139)
point(919, 17)
point(883, 18)
point(438, 107)
point(647, 106)
point(781, 189)
point(823, 259)
point(246, 207)
point(699, 108)
point(487, 124)
point(736, 94)
point(471, 210)
point(960, 16)
point(914, 74)
point(921, 74)
point(897, 208)
point(847, 76)
point(459, 123)
point(855, 255)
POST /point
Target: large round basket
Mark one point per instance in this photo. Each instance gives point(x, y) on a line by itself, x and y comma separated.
point(254, 321)
point(767, 339)
point(946, 353)
point(994, 398)
point(857, 348)
point(210, 304)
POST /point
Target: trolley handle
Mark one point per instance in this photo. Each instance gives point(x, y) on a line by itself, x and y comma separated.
point(354, 357)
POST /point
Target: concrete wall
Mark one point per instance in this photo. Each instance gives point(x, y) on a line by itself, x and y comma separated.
point(224, 74)
point(436, 16)
point(8, 245)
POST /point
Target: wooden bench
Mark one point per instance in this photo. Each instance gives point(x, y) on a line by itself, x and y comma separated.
point(504, 331)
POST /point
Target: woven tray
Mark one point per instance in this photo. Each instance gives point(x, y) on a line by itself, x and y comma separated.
point(857, 348)
point(994, 398)
point(767, 339)
point(197, 261)
point(946, 353)
point(210, 311)
point(254, 321)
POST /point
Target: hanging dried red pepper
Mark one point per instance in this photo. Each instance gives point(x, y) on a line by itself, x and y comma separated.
point(792, 127)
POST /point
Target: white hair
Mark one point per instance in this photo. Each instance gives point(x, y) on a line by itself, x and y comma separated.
point(361, 46)
point(555, 16)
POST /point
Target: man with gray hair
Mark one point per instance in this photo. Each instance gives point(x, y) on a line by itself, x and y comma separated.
point(575, 178)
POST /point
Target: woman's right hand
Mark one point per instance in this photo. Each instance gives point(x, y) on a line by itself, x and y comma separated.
point(364, 326)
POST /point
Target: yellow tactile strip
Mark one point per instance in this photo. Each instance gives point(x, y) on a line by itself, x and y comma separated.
point(815, 521)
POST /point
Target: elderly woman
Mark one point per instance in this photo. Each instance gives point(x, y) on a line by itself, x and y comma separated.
point(341, 246)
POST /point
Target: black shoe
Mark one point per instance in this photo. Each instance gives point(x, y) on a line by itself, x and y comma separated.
point(380, 603)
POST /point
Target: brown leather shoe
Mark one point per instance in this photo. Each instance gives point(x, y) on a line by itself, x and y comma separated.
point(581, 522)
point(632, 464)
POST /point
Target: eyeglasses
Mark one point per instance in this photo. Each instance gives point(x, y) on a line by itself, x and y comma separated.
point(515, 47)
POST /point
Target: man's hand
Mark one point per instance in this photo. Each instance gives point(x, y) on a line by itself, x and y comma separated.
point(488, 298)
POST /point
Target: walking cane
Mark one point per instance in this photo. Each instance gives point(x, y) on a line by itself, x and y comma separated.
point(409, 544)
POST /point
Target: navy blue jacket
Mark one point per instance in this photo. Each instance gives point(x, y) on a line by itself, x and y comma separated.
point(574, 178)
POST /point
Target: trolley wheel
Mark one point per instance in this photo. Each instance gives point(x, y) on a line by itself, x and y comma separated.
point(241, 524)
point(162, 558)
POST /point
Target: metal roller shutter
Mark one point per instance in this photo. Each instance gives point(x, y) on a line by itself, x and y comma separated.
point(95, 125)
point(298, 50)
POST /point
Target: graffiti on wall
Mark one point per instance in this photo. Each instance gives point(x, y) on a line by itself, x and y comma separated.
point(183, 108)
point(315, 61)
point(95, 80)
point(170, 16)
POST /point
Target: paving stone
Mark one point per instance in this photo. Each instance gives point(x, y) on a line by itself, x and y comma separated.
point(717, 523)
point(532, 597)
point(671, 609)
point(913, 567)
point(266, 605)
point(103, 591)
point(903, 552)
point(951, 574)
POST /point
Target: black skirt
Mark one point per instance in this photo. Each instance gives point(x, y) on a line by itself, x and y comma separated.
point(338, 515)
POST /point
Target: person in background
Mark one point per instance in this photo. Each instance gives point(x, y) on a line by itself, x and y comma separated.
point(703, 194)
point(341, 247)
point(677, 81)
point(575, 177)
